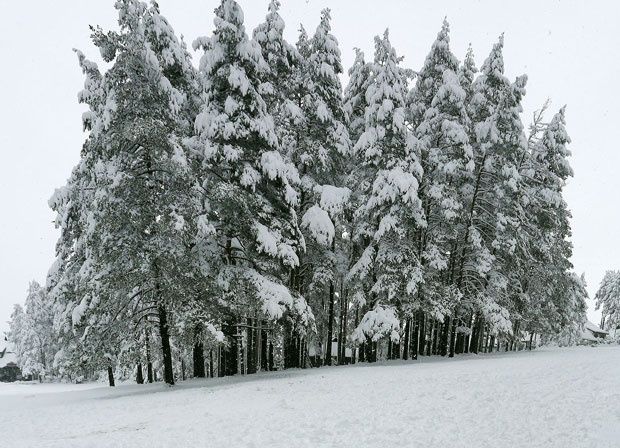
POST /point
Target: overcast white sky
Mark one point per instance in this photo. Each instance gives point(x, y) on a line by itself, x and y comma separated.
point(569, 50)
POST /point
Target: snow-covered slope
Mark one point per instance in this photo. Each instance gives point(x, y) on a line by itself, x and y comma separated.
point(546, 398)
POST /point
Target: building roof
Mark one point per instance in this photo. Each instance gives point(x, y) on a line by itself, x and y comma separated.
point(595, 328)
point(7, 357)
point(589, 331)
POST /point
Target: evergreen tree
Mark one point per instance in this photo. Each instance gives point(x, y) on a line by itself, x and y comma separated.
point(251, 186)
point(321, 143)
point(438, 108)
point(139, 229)
point(608, 300)
point(355, 104)
point(490, 224)
point(391, 210)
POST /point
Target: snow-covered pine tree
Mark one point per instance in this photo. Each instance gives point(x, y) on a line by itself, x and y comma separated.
point(438, 108)
point(16, 335)
point(360, 78)
point(250, 184)
point(608, 300)
point(541, 265)
point(491, 221)
point(39, 340)
point(138, 234)
point(318, 148)
point(71, 280)
point(467, 73)
point(280, 84)
point(388, 271)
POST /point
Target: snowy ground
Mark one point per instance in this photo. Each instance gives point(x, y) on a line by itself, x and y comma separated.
point(547, 398)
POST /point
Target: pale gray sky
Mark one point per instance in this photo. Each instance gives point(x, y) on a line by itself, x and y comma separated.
point(569, 50)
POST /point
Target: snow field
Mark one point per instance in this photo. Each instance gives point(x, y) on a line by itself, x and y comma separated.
point(546, 398)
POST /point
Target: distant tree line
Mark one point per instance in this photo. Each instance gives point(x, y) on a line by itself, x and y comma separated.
point(251, 214)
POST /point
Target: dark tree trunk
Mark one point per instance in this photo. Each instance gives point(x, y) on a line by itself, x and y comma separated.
point(340, 356)
point(228, 354)
point(444, 336)
point(354, 349)
point(531, 338)
point(368, 350)
point(271, 362)
point(149, 363)
point(415, 337)
point(264, 347)
point(139, 374)
point(165, 345)
point(421, 333)
point(211, 363)
point(251, 341)
point(406, 341)
point(291, 347)
point(182, 369)
point(345, 324)
point(453, 336)
point(199, 360)
point(330, 326)
point(110, 376)
point(433, 337)
point(460, 342)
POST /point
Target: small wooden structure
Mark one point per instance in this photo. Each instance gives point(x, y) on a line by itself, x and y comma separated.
point(593, 333)
point(9, 370)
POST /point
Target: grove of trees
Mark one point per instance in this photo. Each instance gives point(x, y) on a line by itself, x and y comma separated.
point(252, 214)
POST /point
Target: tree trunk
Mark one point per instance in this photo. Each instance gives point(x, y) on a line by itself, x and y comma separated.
point(476, 335)
point(406, 341)
point(415, 336)
point(199, 360)
point(453, 336)
point(481, 335)
point(354, 348)
point(368, 352)
point(139, 374)
point(110, 376)
point(467, 339)
point(251, 346)
point(211, 363)
point(271, 362)
point(345, 324)
point(340, 356)
point(330, 326)
point(149, 363)
point(444, 336)
point(421, 334)
point(435, 336)
point(264, 347)
point(165, 344)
